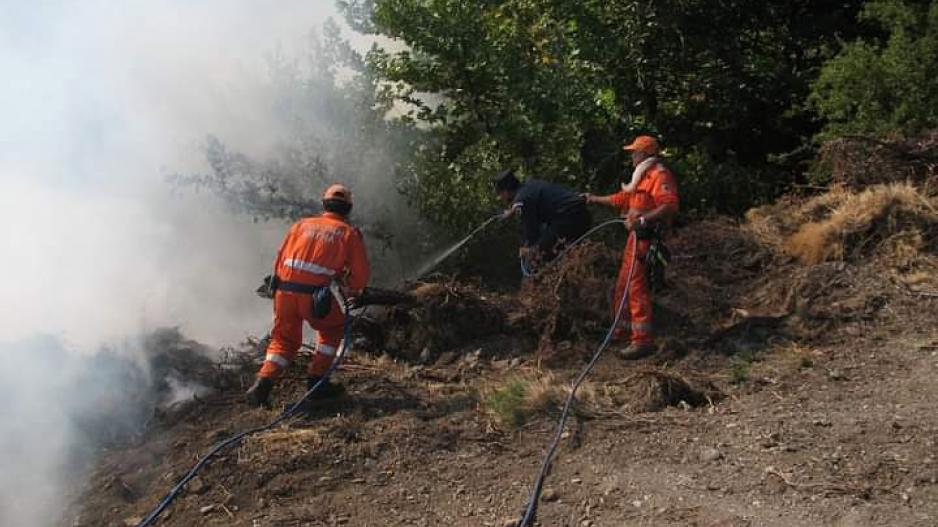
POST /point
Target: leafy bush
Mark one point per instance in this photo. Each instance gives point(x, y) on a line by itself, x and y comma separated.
point(887, 85)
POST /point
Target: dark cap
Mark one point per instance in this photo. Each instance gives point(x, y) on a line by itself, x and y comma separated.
point(505, 180)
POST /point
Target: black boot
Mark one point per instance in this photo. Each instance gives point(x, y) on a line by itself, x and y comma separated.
point(259, 392)
point(636, 351)
point(326, 390)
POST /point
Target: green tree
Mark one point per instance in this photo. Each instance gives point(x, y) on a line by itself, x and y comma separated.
point(555, 86)
point(884, 85)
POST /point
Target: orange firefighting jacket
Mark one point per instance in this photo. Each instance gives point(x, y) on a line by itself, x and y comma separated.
point(656, 188)
point(321, 249)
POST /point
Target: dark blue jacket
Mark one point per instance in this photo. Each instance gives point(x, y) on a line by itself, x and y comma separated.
point(544, 203)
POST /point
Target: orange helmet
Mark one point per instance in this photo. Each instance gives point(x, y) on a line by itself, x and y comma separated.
point(338, 192)
point(644, 143)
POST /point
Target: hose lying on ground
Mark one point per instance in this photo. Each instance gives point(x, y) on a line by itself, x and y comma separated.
point(530, 512)
point(531, 508)
point(237, 438)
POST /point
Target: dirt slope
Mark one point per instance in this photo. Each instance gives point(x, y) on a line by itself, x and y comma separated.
point(812, 402)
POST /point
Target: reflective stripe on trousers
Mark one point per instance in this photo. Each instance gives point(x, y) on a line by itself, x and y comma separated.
point(291, 310)
point(638, 317)
point(277, 359)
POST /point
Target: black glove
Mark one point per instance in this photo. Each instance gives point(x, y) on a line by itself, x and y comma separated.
point(268, 287)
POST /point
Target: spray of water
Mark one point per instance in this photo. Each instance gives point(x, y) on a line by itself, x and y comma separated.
point(445, 253)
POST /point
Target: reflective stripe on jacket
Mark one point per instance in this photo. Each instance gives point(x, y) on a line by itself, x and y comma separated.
point(319, 249)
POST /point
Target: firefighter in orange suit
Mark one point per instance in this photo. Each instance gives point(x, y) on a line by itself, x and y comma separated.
point(653, 202)
point(316, 252)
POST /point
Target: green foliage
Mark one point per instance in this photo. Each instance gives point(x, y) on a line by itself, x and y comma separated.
point(740, 367)
point(555, 86)
point(508, 403)
point(887, 85)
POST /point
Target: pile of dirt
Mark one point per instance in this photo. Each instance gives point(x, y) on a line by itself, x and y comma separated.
point(442, 316)
point(566, 304)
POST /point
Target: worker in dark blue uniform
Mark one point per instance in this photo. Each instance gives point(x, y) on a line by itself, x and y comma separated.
point(551, 215)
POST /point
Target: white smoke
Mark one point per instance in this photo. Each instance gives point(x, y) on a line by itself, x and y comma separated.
point(99, 101)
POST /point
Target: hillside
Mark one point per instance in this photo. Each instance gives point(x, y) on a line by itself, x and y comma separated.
point(794, 386)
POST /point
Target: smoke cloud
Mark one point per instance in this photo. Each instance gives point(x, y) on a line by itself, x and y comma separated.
point(100, 102)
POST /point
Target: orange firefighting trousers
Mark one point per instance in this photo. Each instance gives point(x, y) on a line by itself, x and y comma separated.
point(290, 310)
point(637, 315)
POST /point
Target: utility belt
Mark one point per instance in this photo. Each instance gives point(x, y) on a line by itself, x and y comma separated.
point(321, 294)
point(658, 256)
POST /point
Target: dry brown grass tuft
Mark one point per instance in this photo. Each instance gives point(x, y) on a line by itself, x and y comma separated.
point(648, 390)
point(897, 220)
point(285, 443)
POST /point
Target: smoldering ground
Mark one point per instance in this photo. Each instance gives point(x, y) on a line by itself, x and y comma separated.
point(100, 102)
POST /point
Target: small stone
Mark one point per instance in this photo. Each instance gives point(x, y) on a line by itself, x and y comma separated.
point(836, 375)
point(425, 355)
point(576, 481)
point(550, 494)
point(196, 486)
point(770, 442)
point(637, 504)
point(207, 509)
point(510, 522)
point(515, 362)
point(132, 521)
point(586, 523)
point(709, 455)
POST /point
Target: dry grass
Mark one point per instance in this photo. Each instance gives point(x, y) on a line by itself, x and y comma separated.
point(514, 401)
point(284, 443)
point(897, 220)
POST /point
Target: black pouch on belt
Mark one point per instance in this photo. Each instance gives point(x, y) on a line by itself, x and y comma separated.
point(657, 261)
point(322, 302)
point(321, 296)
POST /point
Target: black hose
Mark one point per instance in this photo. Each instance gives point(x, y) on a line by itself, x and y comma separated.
point(235, 439)
point(531, 509)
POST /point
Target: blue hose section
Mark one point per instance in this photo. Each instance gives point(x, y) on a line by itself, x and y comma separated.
point(531, 509)
point(526, 270)
point(235, 439)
